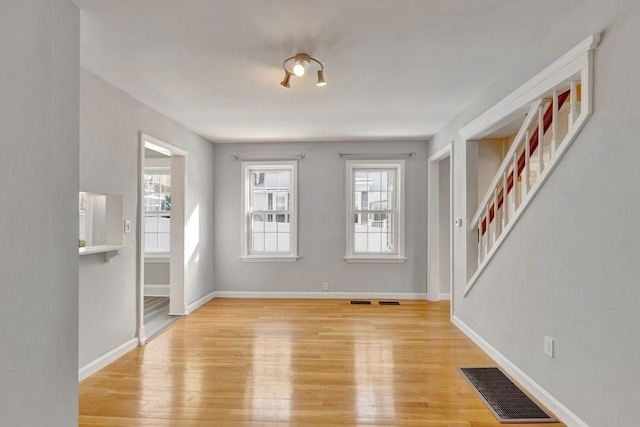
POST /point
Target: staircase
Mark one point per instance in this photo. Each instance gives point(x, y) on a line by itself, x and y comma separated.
point(549, 127)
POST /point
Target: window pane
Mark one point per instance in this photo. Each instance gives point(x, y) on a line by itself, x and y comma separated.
point(360, 242)
point(151, 243)
point(282, 201)
point(283, 226)
point(164, 244)
point(284, 242)
point(258, 180)
point(361, 188)
point(150, 224)
point(270, 242)
point(164, 223)
point(374, 242)
point(374, 180)
point(257, 223)
point(271, 180)
point(271, 225)
point(259, 201)
point(258, 242)
point(284, 180)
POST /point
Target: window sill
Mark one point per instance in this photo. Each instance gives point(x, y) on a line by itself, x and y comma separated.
point(376, 259)
point(291, 258)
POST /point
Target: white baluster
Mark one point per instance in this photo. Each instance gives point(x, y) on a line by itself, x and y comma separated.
point(515, 183)
point(527, 166)
point(540, 141)
point(554, 124)
point(488, 232)
point(505, 205)
point(573, 105)
point(480, 242)
point(495, 215)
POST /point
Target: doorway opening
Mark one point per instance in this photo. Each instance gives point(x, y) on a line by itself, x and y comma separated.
point(161, 272)
point(440, 229)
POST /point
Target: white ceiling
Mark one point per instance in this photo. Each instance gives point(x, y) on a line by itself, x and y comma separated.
point(396, 69)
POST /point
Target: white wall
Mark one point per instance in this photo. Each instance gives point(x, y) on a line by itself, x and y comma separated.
point(564, 271)
point(321, 222)
point(110, 123)
point(39, 57)
point(156, 273)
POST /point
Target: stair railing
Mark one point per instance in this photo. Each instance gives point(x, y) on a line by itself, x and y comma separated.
point(512, 185)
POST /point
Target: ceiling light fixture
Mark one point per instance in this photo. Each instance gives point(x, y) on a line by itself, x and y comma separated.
point(297, 65)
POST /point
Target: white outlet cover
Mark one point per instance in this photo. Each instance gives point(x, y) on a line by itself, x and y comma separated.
point(548, 346)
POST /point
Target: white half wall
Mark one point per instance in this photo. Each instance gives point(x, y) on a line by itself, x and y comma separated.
point(110, 124)
point(39, 108)
point(568, 268)
point(321, 224)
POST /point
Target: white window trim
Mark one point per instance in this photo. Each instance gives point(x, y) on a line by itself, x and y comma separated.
point(398, 257)
point(247, 168)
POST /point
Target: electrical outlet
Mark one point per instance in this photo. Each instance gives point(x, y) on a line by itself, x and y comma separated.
point(325, 286)
point(548, 346)
point(127, 226)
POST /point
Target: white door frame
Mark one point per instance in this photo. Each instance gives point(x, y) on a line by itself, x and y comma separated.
point(177, 263)
point(433, 222)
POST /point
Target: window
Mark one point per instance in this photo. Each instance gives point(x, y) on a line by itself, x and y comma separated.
point(157, 211)
point(375, 209)
point(269, 229)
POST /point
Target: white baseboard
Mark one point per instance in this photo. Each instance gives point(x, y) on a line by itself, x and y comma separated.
point(156, 290)
point(199, 303)
point(106, 359)
point(558, 409)
point(322, 295)
point(444, 297)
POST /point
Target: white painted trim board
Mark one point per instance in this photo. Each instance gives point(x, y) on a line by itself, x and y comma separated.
point(322, 295)
point(104, 360)
point(199, 303)
point(156, 290)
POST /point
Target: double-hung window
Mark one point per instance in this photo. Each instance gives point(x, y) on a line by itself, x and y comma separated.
point(157, 210)
point(375, 211)
point(269, 229)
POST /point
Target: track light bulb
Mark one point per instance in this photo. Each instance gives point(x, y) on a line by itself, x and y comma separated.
point(300, 68)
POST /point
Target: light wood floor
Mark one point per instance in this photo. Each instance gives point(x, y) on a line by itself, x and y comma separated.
point(294, 363)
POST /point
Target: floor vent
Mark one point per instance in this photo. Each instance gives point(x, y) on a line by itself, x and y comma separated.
point(507, 402)
point(388, 303)
point(360, 302)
